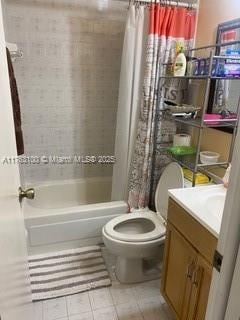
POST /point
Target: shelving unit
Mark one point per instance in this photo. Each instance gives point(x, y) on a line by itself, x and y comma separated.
point(193, 162)
point(197, 123)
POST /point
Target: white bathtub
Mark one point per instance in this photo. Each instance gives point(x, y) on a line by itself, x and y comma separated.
point(69, 214)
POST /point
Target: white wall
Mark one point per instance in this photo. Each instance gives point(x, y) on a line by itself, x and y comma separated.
point(68, 80)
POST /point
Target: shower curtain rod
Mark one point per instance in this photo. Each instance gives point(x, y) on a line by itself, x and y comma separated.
point(171, 3)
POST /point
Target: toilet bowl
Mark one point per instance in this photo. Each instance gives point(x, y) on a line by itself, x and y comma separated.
point(137, 238)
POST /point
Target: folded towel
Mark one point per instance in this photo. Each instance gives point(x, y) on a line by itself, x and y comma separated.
point(200, 177)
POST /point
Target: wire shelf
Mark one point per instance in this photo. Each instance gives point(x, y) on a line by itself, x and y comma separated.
point(211, 124)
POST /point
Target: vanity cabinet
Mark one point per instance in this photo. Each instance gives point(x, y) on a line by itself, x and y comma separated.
point(187, 268)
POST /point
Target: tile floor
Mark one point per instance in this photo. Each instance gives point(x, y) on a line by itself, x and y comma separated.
point(119, 302)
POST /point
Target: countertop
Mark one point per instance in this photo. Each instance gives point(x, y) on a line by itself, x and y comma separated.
point(205, 204)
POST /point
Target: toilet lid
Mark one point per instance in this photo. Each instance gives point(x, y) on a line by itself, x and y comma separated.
point(171, 178)
point(127, 234)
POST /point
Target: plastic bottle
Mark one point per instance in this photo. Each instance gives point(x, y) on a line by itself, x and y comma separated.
point(180, 64)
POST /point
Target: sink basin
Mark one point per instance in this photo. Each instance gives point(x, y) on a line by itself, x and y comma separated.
point(213, 200)
point(215, 205)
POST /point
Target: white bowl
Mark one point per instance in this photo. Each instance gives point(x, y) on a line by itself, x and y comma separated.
point(209, 157)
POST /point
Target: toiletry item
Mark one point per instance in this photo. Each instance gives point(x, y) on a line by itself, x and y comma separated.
point(181, 139)
point(226, 176)
point(180, 64)
point(207, 66)
point(195, 67)
point(220, 68)
point(214, 67)
point(209, 157)
point(189, 68)
point(232, 68)
point(228, 115)
point(191, 63)
point(233, 52)
point(169, 69)
point(227, 67)
point(202, 67)
point(200, 178)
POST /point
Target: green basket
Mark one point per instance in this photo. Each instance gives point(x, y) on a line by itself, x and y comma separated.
point(182, 150)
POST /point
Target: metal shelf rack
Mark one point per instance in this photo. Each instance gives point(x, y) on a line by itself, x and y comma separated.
point(193, 162)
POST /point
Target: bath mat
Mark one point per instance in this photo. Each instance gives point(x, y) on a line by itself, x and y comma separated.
point(67, 272)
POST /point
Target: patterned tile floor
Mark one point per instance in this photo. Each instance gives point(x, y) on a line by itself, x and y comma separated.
point(119, 302)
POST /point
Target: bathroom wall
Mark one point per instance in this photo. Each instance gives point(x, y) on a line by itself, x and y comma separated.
point(68, 80)
point(211, 13)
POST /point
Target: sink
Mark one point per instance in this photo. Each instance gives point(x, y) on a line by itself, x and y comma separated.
point(213, 200)
point(206, 204)
point(215, 204)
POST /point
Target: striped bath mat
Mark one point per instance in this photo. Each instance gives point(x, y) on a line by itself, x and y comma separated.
point(67, 272)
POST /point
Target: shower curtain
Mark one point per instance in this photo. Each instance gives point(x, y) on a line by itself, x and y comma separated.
point(131, 78)
point(167, 27)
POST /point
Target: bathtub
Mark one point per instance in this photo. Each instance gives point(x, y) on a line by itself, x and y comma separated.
point(68, 214)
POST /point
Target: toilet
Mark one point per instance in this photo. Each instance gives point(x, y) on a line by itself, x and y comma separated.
point(136, 238)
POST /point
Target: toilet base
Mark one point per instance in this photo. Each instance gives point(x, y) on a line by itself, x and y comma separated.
point(135, 270)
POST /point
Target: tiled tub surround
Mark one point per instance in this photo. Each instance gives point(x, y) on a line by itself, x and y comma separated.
point(119, 302)
point(68, 80)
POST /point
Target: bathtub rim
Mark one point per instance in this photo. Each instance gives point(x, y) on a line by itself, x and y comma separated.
point(33, 212)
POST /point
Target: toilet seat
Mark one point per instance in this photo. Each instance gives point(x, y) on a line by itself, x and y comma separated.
point(157, 232)
point(171, 178)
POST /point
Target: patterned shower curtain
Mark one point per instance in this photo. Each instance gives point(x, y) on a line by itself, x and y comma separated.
point(167, 27)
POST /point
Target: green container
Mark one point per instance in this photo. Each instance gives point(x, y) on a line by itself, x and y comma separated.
point(182, 150)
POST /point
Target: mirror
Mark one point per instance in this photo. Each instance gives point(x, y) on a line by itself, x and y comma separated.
point(225, 94)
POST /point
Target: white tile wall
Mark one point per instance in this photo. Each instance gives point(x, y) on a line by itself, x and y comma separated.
point(68, 79)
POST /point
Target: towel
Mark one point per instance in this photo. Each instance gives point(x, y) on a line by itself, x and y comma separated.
point(15, 106)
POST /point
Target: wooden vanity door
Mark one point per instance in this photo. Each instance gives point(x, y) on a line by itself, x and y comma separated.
point(180, 262)
point(200, 289)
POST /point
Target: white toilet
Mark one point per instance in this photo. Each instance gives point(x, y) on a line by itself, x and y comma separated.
point(136, 238)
